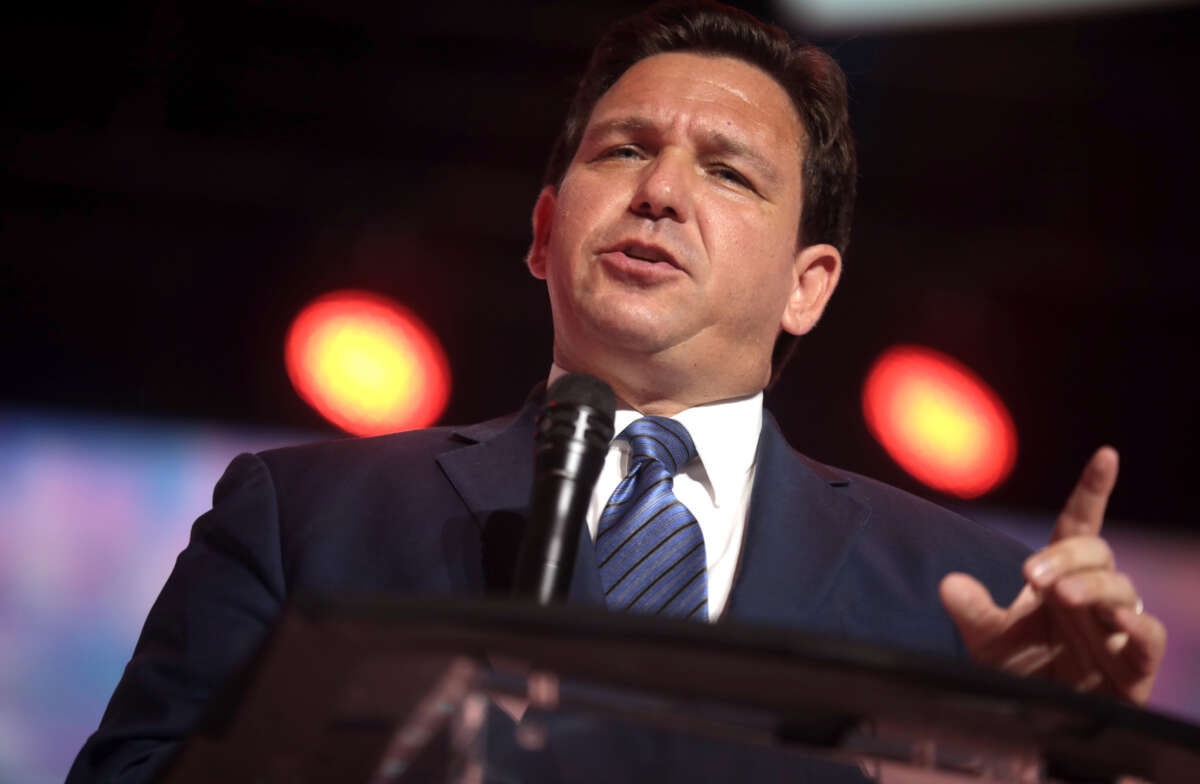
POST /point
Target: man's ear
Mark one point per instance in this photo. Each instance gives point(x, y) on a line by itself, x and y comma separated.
point(543, 222)
point(818, 268)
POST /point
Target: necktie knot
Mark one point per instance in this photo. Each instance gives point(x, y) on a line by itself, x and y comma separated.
point(659, 438)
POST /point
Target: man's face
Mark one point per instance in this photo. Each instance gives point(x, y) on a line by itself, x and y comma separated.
point(673, 237)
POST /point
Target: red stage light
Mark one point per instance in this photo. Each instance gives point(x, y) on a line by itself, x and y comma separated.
point(939, 421)
point(367, 364)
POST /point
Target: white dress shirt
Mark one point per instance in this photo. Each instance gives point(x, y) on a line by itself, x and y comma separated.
point(715, 487)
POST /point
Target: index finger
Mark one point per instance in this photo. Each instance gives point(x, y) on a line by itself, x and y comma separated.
point(1083, 514)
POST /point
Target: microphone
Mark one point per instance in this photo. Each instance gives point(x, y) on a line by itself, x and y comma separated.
point(570, 441)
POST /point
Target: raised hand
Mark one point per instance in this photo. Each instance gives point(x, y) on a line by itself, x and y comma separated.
point(1077, 620)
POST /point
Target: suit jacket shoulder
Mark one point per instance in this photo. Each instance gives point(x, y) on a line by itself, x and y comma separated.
point(832, 552)
point(396, 514)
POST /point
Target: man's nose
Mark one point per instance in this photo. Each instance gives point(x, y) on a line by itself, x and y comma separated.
point(664, 190)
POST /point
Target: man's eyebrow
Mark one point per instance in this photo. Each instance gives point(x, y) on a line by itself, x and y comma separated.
point(632, 124)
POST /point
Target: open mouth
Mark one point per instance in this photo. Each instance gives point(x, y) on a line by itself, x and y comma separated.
point(648, 253)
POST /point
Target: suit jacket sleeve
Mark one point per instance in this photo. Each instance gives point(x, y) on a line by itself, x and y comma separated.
point(223, 596)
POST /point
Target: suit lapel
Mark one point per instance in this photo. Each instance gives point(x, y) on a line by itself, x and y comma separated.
point(493, 474)
point(800, 529)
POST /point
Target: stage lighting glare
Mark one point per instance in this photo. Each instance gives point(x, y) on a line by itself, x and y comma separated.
point(367, 363)
point(939, 421)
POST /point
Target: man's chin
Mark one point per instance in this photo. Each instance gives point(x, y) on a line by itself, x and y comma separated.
point(642, 336)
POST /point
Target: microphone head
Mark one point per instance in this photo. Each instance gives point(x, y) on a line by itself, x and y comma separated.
point(580, 389)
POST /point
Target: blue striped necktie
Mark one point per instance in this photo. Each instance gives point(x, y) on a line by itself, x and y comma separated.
point(648, 544)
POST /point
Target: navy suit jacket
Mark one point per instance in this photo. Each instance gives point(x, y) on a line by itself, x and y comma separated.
point(430, 513)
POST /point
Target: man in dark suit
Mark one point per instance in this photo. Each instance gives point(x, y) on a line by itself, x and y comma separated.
point(695, 208)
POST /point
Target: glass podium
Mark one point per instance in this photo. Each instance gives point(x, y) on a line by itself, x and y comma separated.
point(502, 692)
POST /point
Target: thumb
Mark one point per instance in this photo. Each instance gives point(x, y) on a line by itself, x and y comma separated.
point(970, 605)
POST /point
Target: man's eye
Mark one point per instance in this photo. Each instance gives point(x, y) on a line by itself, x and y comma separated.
point(624, 151)
point(731, 175)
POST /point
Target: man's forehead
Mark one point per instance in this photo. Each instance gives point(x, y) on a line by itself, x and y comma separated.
point(733, 105)
point(740, 77)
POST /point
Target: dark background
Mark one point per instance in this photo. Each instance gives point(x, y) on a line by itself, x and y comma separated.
point(180, 178)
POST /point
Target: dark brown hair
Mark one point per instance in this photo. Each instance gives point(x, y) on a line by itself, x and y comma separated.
point(810, 77)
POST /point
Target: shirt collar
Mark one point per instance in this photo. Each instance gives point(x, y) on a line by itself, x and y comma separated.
point(726, 438)
point(725, 434)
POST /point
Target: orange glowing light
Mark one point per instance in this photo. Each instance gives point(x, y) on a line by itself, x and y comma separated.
point(367, 364)
point(939, 421)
